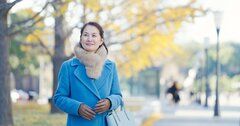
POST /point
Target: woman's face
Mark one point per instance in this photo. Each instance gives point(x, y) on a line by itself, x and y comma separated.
point(91, 38)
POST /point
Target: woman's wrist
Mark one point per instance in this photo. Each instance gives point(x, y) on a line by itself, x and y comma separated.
point(110, 103)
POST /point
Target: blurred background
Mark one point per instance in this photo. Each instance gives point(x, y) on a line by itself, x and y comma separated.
point(178, 60)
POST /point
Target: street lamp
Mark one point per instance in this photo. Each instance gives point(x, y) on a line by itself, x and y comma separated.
point(218, 18)
point(207, 87)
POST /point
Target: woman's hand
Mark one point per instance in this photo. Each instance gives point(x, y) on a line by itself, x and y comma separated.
point(86, 112)
point(102, 106)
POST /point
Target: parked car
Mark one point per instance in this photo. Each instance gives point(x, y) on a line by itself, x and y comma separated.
point(19, 95)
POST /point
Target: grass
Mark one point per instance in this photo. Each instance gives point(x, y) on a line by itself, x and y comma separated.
point(33, 114)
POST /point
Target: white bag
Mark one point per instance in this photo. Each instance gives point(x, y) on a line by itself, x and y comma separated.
point(120, 118)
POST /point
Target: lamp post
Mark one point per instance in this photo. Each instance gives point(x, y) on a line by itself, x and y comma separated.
point(217, 17)
point(207, 87)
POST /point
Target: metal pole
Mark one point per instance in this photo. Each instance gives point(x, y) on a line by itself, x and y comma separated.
point(207, 88)
point(216, 107)
point(158, 83)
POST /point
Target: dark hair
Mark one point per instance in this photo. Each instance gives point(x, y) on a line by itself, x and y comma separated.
point(100, 29)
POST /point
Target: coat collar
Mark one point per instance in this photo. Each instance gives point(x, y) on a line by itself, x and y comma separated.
point(90, 84)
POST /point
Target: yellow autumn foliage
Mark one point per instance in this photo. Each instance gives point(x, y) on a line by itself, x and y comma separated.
point(93, 5)
point(150, 36)
point(146, 27)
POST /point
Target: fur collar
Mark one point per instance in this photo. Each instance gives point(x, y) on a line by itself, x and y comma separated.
point(93, 61)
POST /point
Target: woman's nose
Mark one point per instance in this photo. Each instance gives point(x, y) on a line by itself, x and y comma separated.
point(89, 38)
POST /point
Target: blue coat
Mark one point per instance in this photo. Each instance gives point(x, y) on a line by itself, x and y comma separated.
point(75, 88)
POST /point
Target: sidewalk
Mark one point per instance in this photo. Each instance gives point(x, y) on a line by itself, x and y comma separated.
point(196, 115)
point(150, 112)
point(144, 109)
point(193, 121)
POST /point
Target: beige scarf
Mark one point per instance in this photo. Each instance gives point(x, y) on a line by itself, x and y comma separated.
point(93, 61)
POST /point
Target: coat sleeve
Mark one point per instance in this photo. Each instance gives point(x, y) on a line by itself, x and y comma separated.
point(115, 94)
point(62, 93)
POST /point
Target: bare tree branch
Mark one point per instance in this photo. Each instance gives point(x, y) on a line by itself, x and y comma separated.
point(23, 22)
point(12, 33)
point(43, 45)
point(135, 24)
point(69, 31)
point(138, 22)
point(83, 17)
point(33, 45)
point(5, 7)
point(150, 29)
point(124, 4)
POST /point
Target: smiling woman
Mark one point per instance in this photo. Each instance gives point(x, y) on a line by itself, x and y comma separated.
point(88, 84)
point(91, 38)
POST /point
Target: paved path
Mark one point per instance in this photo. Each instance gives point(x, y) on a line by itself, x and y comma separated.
point(196, 115)
point(142, 108)
point(182, 121)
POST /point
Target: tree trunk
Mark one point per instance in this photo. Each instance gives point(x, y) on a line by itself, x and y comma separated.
point(59, 52)
point(5, 105)
point(18, 79)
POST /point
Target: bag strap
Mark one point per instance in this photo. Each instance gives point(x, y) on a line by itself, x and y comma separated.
point(115, 114)
point(122, 105)
point(122, 108)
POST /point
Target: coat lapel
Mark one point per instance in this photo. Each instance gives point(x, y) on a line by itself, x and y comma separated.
point(105, 73)
point(86, 81)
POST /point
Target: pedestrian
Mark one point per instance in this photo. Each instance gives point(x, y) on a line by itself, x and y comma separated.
point(88, 86)
point(174, 91)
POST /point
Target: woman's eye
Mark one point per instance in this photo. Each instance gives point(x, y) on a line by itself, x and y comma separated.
point(85, 35)
point(93, 35)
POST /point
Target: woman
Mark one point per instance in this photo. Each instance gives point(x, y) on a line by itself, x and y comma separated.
point(88, 84)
